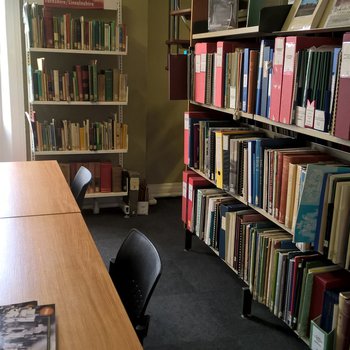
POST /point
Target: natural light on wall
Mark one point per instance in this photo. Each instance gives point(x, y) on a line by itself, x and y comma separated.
point(12, 121)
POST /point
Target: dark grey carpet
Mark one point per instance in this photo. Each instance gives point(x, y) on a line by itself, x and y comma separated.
point(197, 302)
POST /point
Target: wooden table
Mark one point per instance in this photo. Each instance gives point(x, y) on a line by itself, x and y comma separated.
point(34, 188)
point(47, 254)
point(53, 259)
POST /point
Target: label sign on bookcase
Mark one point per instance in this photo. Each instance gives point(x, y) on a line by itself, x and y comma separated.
point(76, 4)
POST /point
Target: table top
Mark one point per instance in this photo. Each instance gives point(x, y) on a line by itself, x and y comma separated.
point(34, 188)
point(53, 259)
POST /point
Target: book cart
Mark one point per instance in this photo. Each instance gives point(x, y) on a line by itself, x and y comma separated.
point(327, 142)
point(77, 90)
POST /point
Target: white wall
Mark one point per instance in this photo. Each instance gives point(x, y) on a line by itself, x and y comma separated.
point(12, 121)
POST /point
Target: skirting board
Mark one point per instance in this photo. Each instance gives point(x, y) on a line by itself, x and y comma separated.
point(171, 189)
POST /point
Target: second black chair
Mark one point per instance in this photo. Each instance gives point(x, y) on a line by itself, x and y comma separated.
point(135, 272)
point(80, 184)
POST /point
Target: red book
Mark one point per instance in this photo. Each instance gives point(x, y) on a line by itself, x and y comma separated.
point(80, 82)
point(194, 183)
point(277, 78)
point(48, 29)
point(106, 177)
point(292, 46)
point(222, 48)
point(342, 120)
point(185, 176)
point(339, 279)
point(201, 50)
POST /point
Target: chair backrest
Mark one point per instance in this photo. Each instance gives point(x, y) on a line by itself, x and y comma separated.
point(80, 184)
point(135, 273)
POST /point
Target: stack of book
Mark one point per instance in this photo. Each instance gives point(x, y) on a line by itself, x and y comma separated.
point(291, 80)
point(84, 83)
point(90, 136)
point(27, 325)
point(106, 177)
point(72, 31)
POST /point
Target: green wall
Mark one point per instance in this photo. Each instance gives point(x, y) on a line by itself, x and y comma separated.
point(155, 123)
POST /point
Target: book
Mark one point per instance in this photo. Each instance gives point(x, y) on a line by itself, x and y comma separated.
point(185, 176)
point(252, 80)
point(304, 14)
point(339, 235)
point(28, 323)
point(222, 48)
point(267, 43)
point(303, 326)
point(305, 228)
point(294, 44)
point(336, 14)
point(329, 280)
point(342, 123)
point(193, 183)
point(342, 334)
point(277, 78)
point(301, 157)
point(201, 50)
point(106, 176)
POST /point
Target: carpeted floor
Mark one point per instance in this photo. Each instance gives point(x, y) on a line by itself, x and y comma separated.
point(197, 302)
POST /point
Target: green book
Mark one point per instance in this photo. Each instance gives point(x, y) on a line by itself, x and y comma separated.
point(109, 85)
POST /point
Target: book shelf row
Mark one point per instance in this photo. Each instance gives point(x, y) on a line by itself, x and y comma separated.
point(295, 80)
point(84, 83)
point(71, 136)
point(106, 177)
point(297, 185)
point(291, 283)
point(72, 31)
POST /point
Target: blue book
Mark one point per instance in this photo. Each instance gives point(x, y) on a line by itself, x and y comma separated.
point(264, 42)
point(224, 208)
point(331, 298)
point(306, 223)
point(265, 81)
point(246, 55)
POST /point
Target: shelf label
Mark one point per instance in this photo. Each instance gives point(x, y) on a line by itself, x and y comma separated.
point(289, 58)
point(75, 4)
point(184, 189)
point(219, 57)
point(320, 120)
point(345, 61)
point(300, 116)
point(198, 63)
point(279, 50)
point(310, 114)
point(203, 62)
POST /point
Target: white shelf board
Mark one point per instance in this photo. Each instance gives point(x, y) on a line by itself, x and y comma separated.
point(305, 131)
point(241, 199)
point(80, 103)
point(229, 32)
point(75, 52)
point(105, 194)
point(71, 153)
point(219, 109)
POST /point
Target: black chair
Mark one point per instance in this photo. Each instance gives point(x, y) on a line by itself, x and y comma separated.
point(80, 184)
point(135, 272)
